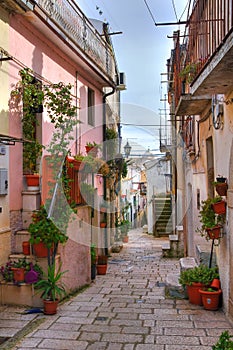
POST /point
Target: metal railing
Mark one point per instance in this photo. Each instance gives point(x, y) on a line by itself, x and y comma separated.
point(209, 25)
point(73, 23)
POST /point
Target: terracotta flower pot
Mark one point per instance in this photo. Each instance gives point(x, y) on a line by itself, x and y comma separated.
point(18, 274)
point(221, 189)
point(103, 224)
point(40, 250)
point(194, 293)
point(26, 248)
point(91, 151)
point(219, 207)
point(125, 239)
point(210, 299)
point(33, 181)
point(50, 307)
point(101, 269)
point(214, 233)
point(216, 284)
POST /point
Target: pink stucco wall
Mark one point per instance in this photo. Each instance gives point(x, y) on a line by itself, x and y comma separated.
point(33, 49)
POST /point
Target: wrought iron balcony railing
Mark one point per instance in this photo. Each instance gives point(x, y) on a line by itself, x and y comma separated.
point(67, 16)
point(209, 25)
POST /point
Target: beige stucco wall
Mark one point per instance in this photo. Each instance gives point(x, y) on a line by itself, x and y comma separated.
point(4, 129)
point(196, 175)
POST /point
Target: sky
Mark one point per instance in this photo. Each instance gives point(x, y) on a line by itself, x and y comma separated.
point(141, 51)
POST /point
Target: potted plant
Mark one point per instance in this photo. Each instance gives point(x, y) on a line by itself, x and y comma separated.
point(52, 289)
point(221, 185)
point(224, 342)
point(93, 261)
point(219, 205)
point(124, 228)
point(29, 91)
point(195, 278)
point(92, 148)
point(212, 223)
point(210, 298)
point(102, 264)
point(45, 234)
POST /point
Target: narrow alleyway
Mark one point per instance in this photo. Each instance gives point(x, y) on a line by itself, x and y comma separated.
point(125, 310)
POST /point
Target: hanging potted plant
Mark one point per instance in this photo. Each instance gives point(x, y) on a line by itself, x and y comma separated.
point(212, 223)
point(219, 205)
point(221, 185)
point(29, 91)
point(52, 289)
point(92, 148)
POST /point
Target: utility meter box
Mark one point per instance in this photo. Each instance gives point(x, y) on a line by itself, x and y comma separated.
point(3, 182)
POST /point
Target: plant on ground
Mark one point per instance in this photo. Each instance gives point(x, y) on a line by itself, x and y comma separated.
point(198, 274)
point(224, 342)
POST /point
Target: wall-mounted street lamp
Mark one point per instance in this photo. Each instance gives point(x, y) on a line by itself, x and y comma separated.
point(127, 149)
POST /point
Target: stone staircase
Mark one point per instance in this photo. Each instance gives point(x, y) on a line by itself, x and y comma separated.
point(163, 216)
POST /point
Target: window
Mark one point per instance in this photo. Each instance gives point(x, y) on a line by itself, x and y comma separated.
point(91, 107)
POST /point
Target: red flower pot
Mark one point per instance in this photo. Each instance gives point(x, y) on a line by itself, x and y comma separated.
point(214, 233)
point(221, 189)
point(33, 181)
point(103, 224)
point(210, 300)
point(219, 207)
point(216, 284)
point(91, 151)
point(50, 307)
point(194, 293)
point(101, 269)
point(40, 250)
point(18, 274)
point(26, 248)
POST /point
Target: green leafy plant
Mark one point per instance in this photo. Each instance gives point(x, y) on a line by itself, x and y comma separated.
point(93, 145)
point(93, 253)
point(224, 342)
point(30, 91)
point(208, 218)
point(43, 229)
point(189, 71)
point(51, 287)
point(198, 274)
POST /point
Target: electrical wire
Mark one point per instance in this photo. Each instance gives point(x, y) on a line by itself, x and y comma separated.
point(150, 12)
point(174, 8)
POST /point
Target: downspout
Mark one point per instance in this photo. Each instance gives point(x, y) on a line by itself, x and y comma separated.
point(105, 156)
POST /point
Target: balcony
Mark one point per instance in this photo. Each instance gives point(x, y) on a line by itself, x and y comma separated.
point(209, 46)
point(63, 23)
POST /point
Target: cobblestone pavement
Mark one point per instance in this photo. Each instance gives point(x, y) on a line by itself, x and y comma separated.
point(124, 310)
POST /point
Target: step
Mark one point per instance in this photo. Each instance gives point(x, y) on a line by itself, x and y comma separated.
point(22, 294)
point(187, 263)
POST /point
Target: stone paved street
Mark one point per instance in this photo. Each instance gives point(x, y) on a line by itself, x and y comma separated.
point(123, 310)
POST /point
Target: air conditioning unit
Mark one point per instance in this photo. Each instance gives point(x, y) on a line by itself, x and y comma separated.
point(121, 82)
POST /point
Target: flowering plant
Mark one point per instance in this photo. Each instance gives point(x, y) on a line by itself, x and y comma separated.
point(6, 271)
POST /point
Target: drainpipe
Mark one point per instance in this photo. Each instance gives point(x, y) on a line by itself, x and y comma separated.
point(104, 120)
point(105, 156)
